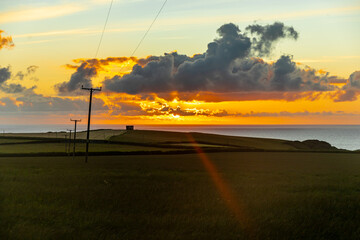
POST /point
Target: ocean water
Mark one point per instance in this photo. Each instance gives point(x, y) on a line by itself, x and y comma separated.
point(340, 136)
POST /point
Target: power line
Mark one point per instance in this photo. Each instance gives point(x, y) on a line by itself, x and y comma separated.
point(147, 31)
point(102, 34)
point(156, 17)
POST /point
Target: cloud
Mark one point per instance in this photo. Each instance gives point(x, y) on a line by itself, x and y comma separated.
point(230, 64)
point(82, 77)
point(238, 96)
point(351, 90)
point(163, 109)
point(268, 35)
point(29, 71)
point(5, 42)
point(169, 109)
point(178, 111)
point(40, 13)
point(73, 32)
point(230, 69)
point(6, 76)
point(354, 81)
point(12, 88)
point(293, 114)
point(88, 69)
point(30, 102)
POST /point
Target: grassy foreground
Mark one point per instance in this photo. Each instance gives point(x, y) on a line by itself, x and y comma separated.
point(280, 196)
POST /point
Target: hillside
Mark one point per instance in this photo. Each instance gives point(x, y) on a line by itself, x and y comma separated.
point(149, 137)
point(112, 142)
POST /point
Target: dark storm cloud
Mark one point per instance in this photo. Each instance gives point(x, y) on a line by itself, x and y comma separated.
point(228, 65)
point(5, 77)
point(31, 102)
point(351, 89)
point(5, 74)
point(287, 77)
point(12, 88)
point(82, 77)
point(215, 69)
point(88, 69)
point(354, 81)
point(267, 35)
point(154, 75)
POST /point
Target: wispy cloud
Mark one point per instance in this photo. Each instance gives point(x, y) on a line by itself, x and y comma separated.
point(33, 42)
point(79, 31)
point(52, 11)
point(40, 13)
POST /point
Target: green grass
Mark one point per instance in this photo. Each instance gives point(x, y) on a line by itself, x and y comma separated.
point(164, 140)
point(284, 196)
point(164, 137)
point(80, 147)
point(14, 140)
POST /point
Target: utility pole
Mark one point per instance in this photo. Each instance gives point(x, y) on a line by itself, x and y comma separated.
point(88, 127)
point(68, 149)
point(65, 142)
point(75, 121)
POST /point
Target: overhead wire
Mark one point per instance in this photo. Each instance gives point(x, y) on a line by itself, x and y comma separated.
point(102, 34)
point(146, 33)
point(143, 37)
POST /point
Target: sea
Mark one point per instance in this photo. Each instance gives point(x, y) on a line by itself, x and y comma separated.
point(340, 136)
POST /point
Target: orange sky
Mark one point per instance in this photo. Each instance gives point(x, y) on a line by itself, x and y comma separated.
point(311, 77)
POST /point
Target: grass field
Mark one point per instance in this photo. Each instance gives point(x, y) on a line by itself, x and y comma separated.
point(80, 147)
point(193, 196)
point(164, 137)
point(159, 140)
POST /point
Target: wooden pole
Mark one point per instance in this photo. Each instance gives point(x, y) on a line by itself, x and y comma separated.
point(89, 115)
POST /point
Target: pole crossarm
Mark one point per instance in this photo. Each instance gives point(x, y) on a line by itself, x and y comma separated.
point(91, 90)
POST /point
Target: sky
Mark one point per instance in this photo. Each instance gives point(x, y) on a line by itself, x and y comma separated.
point(202, 62)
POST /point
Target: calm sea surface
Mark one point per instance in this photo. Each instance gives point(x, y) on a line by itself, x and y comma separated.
point(340, 136)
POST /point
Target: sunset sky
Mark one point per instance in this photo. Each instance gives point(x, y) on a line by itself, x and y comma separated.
point(202, 62)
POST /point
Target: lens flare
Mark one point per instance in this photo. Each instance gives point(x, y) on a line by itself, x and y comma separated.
point(235, 206)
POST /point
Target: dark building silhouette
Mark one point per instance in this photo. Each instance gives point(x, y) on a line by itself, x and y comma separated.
point(129, 127)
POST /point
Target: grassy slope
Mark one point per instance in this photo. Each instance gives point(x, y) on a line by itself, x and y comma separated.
point(284, 196)
point(12, 140)
point(80, 147)
point(94, 134)
point(147, 141)
point(163, 137)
